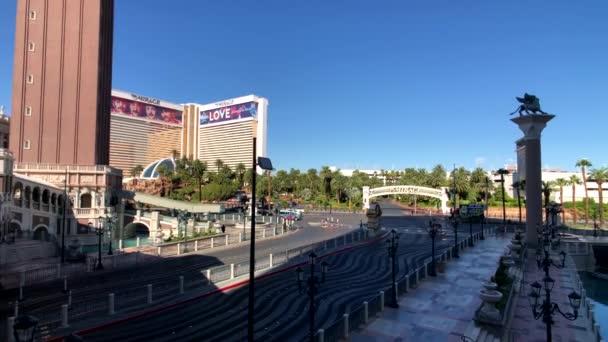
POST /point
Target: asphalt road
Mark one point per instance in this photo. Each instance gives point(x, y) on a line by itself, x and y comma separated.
point(47, 298)
point(281, 311)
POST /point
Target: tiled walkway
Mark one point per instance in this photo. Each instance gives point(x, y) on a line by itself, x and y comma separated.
point(441, 307)
point(526, 329)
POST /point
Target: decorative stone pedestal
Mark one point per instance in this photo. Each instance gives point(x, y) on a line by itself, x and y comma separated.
point(490, 298)
point(532, 127)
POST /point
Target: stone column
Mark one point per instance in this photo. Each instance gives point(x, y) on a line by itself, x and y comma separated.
point(532, 127)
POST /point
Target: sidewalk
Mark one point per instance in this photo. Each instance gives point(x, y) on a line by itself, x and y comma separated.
point(524, 328)
point(441, 308)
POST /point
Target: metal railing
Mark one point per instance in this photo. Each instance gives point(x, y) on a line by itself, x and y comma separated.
point(359, 316)
point(130, 299)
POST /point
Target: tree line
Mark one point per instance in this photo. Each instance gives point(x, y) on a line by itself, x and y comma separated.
point(194, 180)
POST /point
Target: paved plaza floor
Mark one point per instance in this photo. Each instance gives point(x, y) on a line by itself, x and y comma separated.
point(442, 307)
point(524, 328)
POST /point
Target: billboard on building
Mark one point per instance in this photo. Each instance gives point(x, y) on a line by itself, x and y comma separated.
point(229, 113)
point(143, 107)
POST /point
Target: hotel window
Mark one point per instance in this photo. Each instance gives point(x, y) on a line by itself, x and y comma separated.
point(30, 79)
point(32, 15)
point(28, 111)
point(26, 145)
point(31, 46)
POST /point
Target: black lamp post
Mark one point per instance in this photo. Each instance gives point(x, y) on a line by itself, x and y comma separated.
point(63, 219)
point(454, 222)
point(433, 230)
point(182, 220)
point(276, 217)
point(392, 246)
point(264, 164)
point(99, 231)
point(547, 308)
point(470, 230)
point(312, 287)
point(110, 221)
point(546, 262)
point(502, 173)
point(483, 219)
point(24, 328)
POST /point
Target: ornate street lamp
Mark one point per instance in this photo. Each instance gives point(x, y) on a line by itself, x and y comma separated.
point(433, 230)
point(24, 328)
point(546, 262)
point(546, 309)
point(392, 246)
point(502, 173)
point(312, 286)
point(454, 223)
point(111, 220)
point(99, 231)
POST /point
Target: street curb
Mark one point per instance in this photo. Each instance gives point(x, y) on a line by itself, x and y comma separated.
point(208, 294)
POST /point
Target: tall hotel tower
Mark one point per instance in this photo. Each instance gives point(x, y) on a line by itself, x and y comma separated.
point(62, 82)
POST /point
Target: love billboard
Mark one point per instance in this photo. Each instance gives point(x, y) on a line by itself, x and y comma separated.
point(229, 113)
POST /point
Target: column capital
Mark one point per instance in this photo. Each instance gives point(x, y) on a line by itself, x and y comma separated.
point(532, 125)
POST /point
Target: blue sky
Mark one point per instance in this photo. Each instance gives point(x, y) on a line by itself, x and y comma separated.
point(374, 84)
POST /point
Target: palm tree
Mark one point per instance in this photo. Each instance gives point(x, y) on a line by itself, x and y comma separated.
point(174, 154)
point(326, 175)
point(219, 164)
point(163, 174)
point(561, 182)
point(584, 164)
point(574, 181)
point(519, 185)
point(240, 172)
point(547, 189)
point(136, 170)
point(197, 171)
point(600, 176)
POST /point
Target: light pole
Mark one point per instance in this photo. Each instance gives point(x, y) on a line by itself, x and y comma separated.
point(546, 262)
point(392, 246)
point(63, 221)
point(548, 308)
point(502, 173)
point(99, 232)
point(111, 221)
point(470, 230)
point(312, 287)
point(433, 229)
point(264, 164)
point(454, 222)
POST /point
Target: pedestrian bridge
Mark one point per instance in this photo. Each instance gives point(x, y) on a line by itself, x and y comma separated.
point(440, 193)
point(161, 202)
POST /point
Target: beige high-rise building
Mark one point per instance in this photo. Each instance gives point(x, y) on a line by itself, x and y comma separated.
point(143, 129)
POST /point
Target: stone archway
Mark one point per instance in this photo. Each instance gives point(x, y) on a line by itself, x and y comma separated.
point(18, 194)
point(409, 190)
point(86, 200)
point(41, 233)
point(15, 228)
point(136, 229)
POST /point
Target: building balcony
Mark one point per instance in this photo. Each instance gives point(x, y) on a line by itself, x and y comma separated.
point(23, 167)
point(89, 212)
